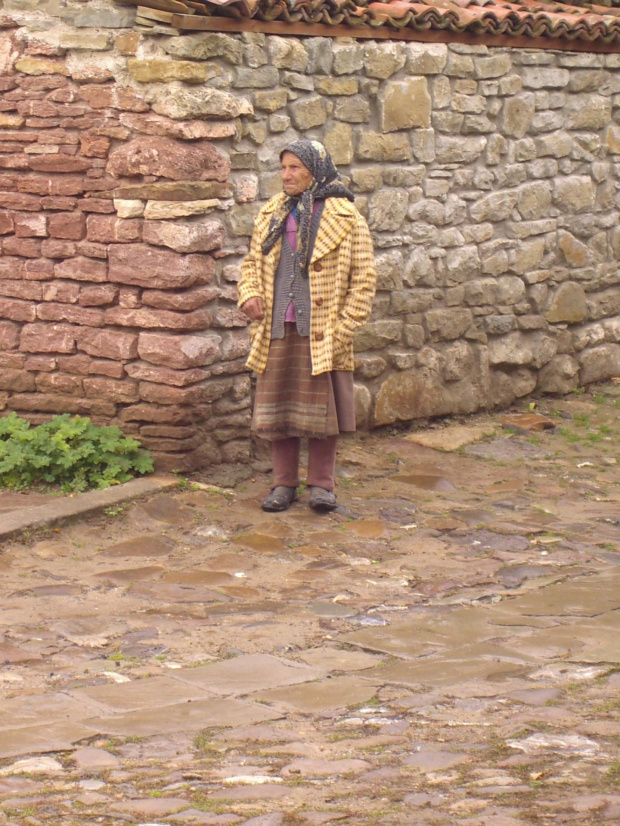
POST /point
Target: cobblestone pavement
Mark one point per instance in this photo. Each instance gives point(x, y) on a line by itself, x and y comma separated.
point(442, 650)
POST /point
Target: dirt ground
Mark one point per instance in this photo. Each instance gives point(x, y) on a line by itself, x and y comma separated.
point(441, 650)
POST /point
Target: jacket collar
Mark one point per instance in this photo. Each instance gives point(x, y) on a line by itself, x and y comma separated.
point(337, 220)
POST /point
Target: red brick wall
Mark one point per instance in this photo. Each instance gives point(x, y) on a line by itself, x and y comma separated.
point(121, 319)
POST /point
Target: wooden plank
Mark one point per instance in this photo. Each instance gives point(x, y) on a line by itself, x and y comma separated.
point(229, 24)
point(154, 14)
point(158, 28)
point(172, 6)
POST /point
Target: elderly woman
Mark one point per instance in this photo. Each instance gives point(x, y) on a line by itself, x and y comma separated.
point(306, 284)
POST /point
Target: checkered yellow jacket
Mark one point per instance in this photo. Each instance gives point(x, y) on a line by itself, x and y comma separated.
point(342, 284)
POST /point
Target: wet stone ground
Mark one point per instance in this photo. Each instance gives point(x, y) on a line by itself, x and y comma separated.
point(442, 650)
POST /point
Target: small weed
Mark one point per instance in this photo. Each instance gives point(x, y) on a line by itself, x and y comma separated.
point(296, 781)
point(613, 774)
point(571, 437)
point(609, 706)
point(24, 811)
point(579, 391)
point(202, 739)
point(204, 803)
point(294, 819)
point(600, 399)
point(581, 419)
point(337, 738)
point(533, 440)
point(605, 430)
point(594, 437)
point(116, 510)
point(119, 657)
point(203, 743)
point(373, 702)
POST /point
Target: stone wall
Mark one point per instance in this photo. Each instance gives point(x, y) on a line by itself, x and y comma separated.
point(133, 162)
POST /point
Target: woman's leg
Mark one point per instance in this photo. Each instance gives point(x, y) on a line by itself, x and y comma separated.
point(322, 462)
point(285, 455)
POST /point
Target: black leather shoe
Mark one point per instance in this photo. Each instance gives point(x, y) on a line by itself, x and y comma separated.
point(322, 500)
point(279, 499)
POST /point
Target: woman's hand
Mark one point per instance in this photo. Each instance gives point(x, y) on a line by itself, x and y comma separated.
point(253, 308)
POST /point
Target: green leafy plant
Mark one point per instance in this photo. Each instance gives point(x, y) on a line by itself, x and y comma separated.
point(69, 451)
point(572, 437)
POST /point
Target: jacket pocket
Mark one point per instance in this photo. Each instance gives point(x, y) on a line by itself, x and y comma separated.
point(342, 345)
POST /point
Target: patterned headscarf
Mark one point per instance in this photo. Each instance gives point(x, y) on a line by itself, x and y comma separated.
point(326, 183)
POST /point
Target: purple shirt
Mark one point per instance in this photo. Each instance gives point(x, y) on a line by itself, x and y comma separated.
point(290, 228)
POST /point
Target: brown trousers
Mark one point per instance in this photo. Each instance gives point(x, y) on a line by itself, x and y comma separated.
point(321, 462)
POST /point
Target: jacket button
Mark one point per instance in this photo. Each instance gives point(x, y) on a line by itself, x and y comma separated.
point(319, 302)
point(318, 336)
point(318, 266)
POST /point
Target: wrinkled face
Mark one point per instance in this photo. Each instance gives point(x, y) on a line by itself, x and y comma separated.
point(296, 177)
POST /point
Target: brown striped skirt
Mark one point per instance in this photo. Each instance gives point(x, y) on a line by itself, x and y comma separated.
point(290, 401)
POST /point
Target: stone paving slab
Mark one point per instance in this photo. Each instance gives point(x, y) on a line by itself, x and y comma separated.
point(30, 710)
point(413, 637)
point(16, 654)
point(54, 736)
point(574, 642)
point(152, 692)
point(242, 675)
point(66, 508)
point(335, 693)
point(444, 672)
point(147, 545)
point(194, 817)
point(336, 659)
point(158, 807)
point(191, 716)
point(125, 576)
point(589, 597)
point(89, 632)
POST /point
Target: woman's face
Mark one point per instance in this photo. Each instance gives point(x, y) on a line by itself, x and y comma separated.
point(296, 177)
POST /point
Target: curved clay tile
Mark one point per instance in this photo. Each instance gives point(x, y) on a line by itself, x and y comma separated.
point(582, 20)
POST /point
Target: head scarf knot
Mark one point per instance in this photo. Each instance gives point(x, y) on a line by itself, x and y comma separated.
point(326, 183)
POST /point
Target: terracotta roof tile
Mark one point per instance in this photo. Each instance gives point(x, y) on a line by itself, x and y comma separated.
point(534, 19)
point(523, 19)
